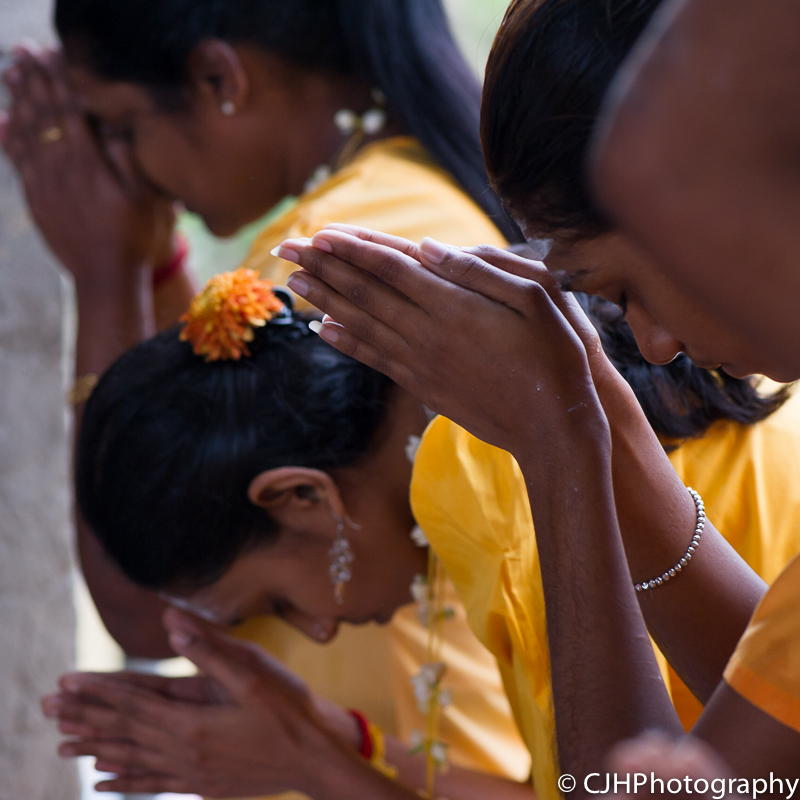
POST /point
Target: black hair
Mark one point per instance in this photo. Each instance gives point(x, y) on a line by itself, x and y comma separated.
point(403, 47)
point(550, 67)
point(680, 400)
point(169, 445)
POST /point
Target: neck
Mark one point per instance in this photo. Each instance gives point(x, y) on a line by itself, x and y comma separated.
point(386, 467)
point(319, 142)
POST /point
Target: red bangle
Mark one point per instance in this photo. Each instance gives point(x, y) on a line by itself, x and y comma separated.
point(366, 737)
point(169, 270)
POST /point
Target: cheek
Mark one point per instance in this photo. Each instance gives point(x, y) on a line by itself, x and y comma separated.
point(166, 161)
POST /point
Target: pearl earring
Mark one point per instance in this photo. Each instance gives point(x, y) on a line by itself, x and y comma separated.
point(228, 108)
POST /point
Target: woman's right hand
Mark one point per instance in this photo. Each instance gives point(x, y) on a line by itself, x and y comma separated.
point(96, 211)
point(502, 353)
point(245, 727)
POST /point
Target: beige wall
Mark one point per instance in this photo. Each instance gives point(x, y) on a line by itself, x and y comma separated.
point(36, 612)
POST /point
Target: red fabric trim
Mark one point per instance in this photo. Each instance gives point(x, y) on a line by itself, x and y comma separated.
point(367, 745)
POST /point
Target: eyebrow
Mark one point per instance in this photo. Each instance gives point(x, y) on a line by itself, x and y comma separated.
point(566, 280)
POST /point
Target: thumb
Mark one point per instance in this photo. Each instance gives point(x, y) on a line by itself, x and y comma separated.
point(515, 264)
point(203, 650)
point(235, 664)
point(470, 270)
point(119, 155)
point(532, 270)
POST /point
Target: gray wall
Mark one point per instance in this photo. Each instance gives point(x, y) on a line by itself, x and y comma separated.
point(37, 624)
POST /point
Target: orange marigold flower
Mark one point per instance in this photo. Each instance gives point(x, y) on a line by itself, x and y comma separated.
point(221, 319)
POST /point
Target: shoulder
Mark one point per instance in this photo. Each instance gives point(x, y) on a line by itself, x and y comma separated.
point(765, 668)
point(394, 187)
point(749, 477)
point(464, 486)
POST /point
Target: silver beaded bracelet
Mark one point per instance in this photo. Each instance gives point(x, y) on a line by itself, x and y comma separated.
point(698, 533)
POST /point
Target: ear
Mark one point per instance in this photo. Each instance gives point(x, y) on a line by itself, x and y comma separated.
point(218, 75)
point(296, 489)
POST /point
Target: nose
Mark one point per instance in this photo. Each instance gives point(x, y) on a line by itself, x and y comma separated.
point(656, 344)
point(320, 629)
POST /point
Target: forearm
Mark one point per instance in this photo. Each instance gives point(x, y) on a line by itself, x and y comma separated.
point(606, 683)
point(698, 617)
point(173, 297)
point(130, 614)
point(342, 774)
point(115, 312)
point(457, 783)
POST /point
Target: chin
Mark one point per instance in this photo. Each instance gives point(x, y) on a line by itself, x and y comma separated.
point(777, 374)
point(737, 371)
point(222, 228)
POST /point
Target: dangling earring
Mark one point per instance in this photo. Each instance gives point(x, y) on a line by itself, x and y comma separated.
point(341, 558)
point(228, 108)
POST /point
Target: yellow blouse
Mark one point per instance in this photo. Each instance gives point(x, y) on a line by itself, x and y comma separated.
point(391, 186)
point(395, 187)
point(470, 500)
point(765, 669)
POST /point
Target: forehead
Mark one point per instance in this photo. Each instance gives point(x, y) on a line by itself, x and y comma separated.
point(109, 99)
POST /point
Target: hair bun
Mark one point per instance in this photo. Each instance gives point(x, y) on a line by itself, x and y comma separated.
point(222, 319)
point(286, 315)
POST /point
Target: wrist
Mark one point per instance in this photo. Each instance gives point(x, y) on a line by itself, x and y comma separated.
point(112, 279)
point(578, 430)
point(342, 763)
point(174, 265)
point(341, 723)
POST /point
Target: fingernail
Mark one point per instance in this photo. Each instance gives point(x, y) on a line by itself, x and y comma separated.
point(286, 254)
point(434, 251)
point(179, 640)
point(71, 683)
point(324, 331)
point(67, 750)
point(297, 285)
point(322, 244)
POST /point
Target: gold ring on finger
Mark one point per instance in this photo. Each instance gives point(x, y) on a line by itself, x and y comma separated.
point(51, 135)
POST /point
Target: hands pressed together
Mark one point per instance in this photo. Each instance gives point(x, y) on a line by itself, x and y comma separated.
point(243, 727)
point(481, 336)
point(84, 190)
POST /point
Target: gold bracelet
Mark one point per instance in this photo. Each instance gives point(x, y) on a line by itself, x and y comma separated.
point(82, 389)
point(378, 757)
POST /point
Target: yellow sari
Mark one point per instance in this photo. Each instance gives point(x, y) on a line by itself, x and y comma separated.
point(394, 186)
point(471, 501)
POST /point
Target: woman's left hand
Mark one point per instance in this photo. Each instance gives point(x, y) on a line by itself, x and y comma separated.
point(245, 727)
point(481, 336)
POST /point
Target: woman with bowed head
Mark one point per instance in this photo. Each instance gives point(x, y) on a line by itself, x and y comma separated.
point(253, 471)
point(283, 485)
point(513, 360)
point(356, 112)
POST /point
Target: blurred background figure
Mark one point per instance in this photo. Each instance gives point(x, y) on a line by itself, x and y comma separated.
point(36, 613)
point(37, 325)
